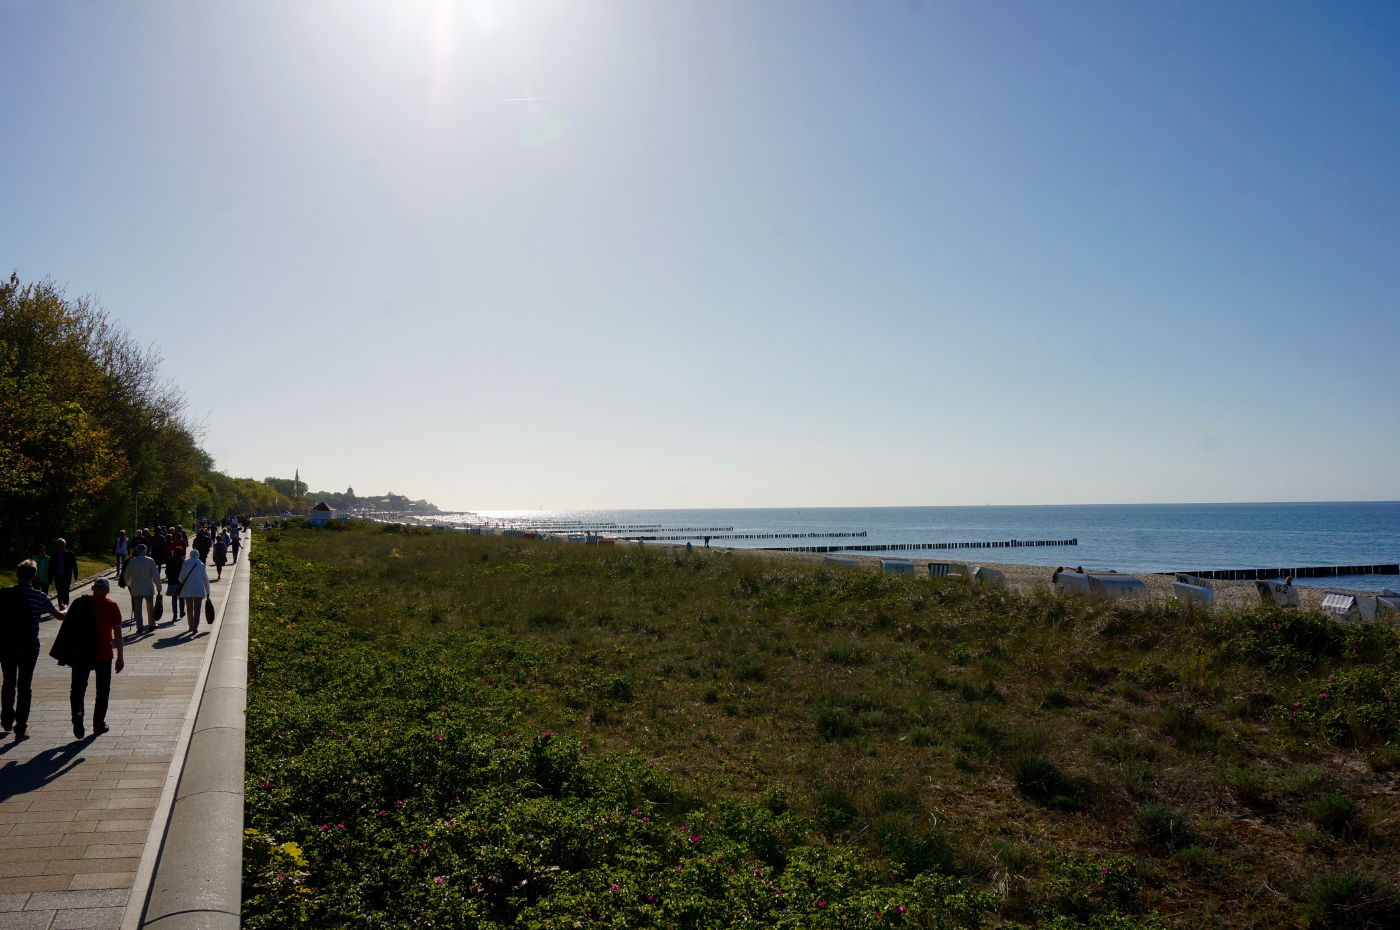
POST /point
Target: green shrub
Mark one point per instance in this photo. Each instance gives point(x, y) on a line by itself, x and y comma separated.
point(835, 722)
point(912, 842)
point(1351, 900)
point(1041, 781)
point(1338, 814)
point(1163, 826)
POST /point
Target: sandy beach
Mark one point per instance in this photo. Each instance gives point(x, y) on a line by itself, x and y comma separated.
point(1237, 595)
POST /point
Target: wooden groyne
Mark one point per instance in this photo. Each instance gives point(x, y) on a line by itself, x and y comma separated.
point(900, 547)
point(1306, 571)
point(862, 533)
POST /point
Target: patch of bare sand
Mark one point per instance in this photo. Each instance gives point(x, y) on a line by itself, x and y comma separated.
point(1239, 595)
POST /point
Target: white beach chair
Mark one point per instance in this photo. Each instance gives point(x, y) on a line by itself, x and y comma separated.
point(1194, 596)
point(898, 567)
point(1276, 594)
point(988, 577)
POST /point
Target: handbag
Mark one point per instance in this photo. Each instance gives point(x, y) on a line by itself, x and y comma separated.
point(156, 608)
point(209, 610)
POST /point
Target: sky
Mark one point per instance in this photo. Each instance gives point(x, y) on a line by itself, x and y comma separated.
point(713, 253)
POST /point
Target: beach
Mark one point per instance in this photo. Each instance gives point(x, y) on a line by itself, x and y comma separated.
point(1028, 579)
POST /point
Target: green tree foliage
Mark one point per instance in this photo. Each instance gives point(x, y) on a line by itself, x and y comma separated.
point(89, 421)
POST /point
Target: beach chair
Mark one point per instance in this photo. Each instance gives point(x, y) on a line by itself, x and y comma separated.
point(1072, 583)
point(988, 577)
point(938, 569)
point(842, 560)
point(1352, 608)
point(899, 567)
point(1388, 607)
point(1276, 594)
point(1115, 585)
point(1193, 596)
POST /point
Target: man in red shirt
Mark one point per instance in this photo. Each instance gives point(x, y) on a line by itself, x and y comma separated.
point(108, 631)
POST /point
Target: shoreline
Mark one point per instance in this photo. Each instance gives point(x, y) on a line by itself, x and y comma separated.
point(1029, 579)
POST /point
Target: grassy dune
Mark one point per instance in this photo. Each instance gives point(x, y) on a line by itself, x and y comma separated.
point(447, 730)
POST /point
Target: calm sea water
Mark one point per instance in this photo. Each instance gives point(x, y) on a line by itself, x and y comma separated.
point(1129, 538)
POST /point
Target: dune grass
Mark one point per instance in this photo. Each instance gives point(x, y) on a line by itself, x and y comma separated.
point(449, 730)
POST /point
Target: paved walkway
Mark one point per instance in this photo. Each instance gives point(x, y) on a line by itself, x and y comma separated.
point(75, 814)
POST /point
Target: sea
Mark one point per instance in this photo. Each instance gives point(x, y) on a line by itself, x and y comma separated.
point(1133, 538)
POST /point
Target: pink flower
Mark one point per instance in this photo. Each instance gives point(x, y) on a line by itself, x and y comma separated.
point(615, 887)
point(636, 811)
point(439, 879)
point(1297, 703)
point(267, 784)
point(695, 839)
point(324, 826)
point(900, 909)
point(821, 904)
point(439, 736)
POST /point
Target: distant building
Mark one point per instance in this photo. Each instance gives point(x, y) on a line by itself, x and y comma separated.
point(322, 514)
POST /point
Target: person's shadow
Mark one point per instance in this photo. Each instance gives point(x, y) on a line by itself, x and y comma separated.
point(33, 774)
point(178, 639)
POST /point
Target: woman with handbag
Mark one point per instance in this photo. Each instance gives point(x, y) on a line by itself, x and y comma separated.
point(194, 588)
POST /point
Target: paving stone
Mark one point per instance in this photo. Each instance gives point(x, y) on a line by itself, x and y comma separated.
point(117, 881)
point(39, 883)
point(13, 902)
point(90, 918)
point(27, 920)
point(58, 900)
point(114, 850)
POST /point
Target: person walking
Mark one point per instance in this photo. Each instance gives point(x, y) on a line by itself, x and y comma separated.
point(21, 608)
point(122, 550)
point(235, 543)
point(90, 633)
point(143, 584)
point(159, 547)
point(173, 569)
point(194, 588)
point(221, 554)
point(65, 572)
point(203, 543)
point(43, 578)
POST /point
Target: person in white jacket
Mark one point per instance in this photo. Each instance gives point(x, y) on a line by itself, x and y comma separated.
point(194, 588)
point(142, 581)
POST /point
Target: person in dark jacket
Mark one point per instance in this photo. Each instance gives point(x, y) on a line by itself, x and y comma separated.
point(172, 587)
point(158, 547)
point(202, 544)
point(90, 633)
point(65, 572)
point(22, 607)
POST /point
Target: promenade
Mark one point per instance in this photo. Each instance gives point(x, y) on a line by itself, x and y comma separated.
point(76, 815)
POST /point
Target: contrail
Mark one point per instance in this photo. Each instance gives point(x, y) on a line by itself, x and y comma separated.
point(524, 99)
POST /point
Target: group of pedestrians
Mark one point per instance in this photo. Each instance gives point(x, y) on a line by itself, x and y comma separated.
point(174, 561)
point(90, 639)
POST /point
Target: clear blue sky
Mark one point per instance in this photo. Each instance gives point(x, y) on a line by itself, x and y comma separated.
point(723, 253)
